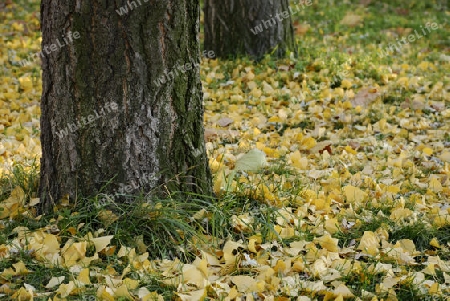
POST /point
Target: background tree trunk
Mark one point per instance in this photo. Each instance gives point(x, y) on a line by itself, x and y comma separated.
point(248, 27)
point(116, 103)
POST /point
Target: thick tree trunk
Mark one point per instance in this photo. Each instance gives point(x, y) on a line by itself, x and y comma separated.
point(249, 27)
point(117, 103)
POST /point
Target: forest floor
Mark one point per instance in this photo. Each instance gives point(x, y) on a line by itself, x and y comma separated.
point(332, 170)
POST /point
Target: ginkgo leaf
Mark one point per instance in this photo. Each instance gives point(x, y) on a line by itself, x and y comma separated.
point(22, 294)
point(329, 243)
point(370, 243)
point(243, 283)
point(66, 289)
point(192, 295)
point(351, 20)
point(343, 291)
point(193, 276)
point(74, 253)
point(101, 242)
point(354, 194)
point(55, 281)
point(83, 277)
point(223, 122)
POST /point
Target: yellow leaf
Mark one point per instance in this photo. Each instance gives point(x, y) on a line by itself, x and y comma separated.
point(153, 296)
point(233, 293)
point(256, 92)
point(22, 294)
point(407, 245)
point(193, 276)
point(308, 143)
point(346, 84)
point(243, 283)
point(101, 242)
point(275, 119)
point(252, 244)
point(12, 205)
point(329, 243)
point(354, 194)
point(280, 267)
point(54, 281)
point(267, 195)
point(393, 189)
point(26, 84)
point(429, 270)
point(202, 266)
point(435, 243)
point(193, 295)
point(122, 291)
point(331, 225)
point(299, 161)
point(298, 266)
point(400, 213)
point(74, 252)
point(127, 252)
point(65, 289)
point(435, 185)
point(424, 65)
point(351, 19)
point(230, 251)
point(107, 217)
point(369, 243)
point(20, 268)
point(17, 26)
point(434, 289)
point(350, 150)
point(319, 268)
point(242, 223)
point(343, 291)
point(441, 221)
point(285, 232)
point(445, 156)
point(83, 277)
point(103, 294)
point(427, 151)
point(131, 284)
point(339, 298)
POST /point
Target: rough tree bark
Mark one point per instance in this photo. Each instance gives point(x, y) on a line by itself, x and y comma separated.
point(122, 99)
point(248, 27)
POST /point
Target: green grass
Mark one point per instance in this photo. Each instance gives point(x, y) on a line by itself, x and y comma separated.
point(23, 176)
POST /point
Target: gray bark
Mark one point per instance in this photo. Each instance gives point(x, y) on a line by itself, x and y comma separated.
point(146, 126)
point(248, 27)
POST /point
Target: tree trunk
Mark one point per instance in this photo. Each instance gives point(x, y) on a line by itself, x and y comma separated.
point(122, 99)
point(248, 27)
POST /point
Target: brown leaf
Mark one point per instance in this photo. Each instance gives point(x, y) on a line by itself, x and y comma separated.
point(321, 146)
point(212, 134)
point(438, 105)
point(284, 68)
point(402, 11)
point(301, 29)
point(223, 122)
point(354, 145)
point(351, 20)
point(364, 97)
point(326, 148)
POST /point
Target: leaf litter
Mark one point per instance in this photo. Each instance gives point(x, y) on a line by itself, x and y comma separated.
point(348, 151)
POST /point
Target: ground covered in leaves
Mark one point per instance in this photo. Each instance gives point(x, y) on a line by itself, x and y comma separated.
point(332, 170)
